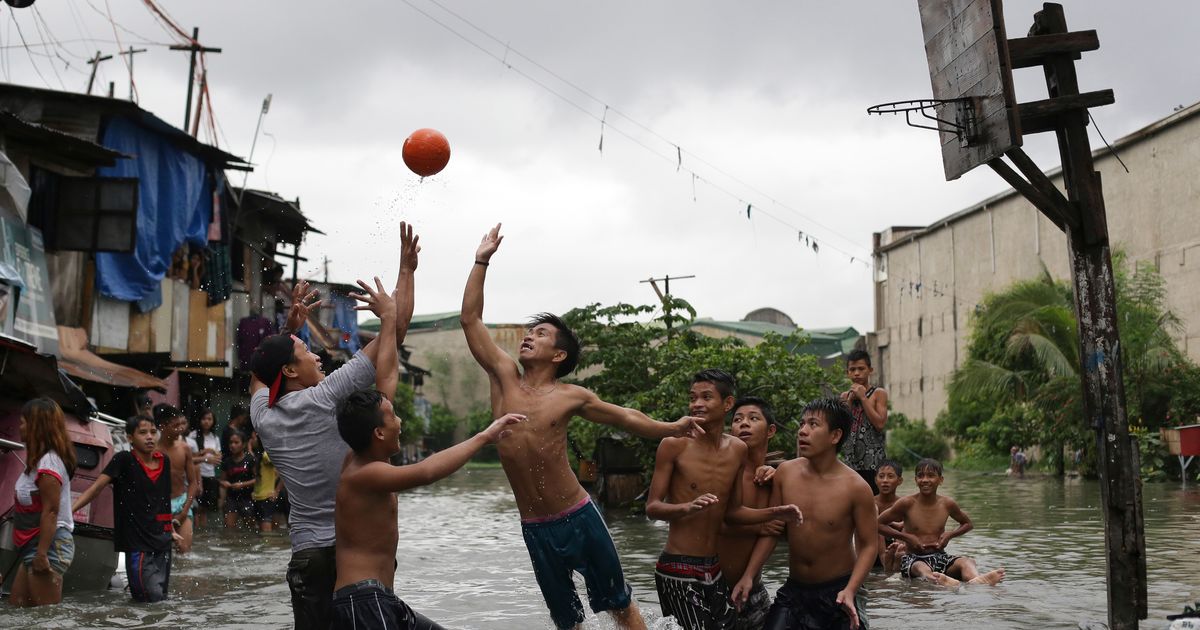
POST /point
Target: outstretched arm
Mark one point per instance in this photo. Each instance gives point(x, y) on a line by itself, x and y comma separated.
point(383, 477)
point(90, 494)
point(486, 352)
point(866, 545)
point(409, 248)
point(657, 506)
point(382, 349)
point(896, 514)
point(758, 557)
point(595, 410)
point(738, 514)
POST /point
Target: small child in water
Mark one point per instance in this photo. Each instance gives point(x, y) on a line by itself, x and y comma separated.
point(924, 533)
point(238, 481)
point(889, 477)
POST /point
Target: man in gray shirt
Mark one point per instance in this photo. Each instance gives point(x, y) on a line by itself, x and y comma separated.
point(293, 409)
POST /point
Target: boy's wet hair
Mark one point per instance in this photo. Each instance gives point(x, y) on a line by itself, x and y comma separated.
point(357, 418)
point(164, 413)
point(763, 406)
point(132, 424)
point(565, 339)
point(929, 465)
point(836, 413)
point(859, 355)
point(720, 379)
point(893, 464)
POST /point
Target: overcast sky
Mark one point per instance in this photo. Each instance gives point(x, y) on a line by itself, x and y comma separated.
point(766, 100)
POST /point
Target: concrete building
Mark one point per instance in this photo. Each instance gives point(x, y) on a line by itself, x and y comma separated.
point(929, 280)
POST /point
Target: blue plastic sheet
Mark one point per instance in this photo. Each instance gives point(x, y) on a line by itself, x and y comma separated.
point(174, 206)
point(345, 319)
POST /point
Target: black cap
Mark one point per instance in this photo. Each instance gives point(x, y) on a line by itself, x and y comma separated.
point(267, 363)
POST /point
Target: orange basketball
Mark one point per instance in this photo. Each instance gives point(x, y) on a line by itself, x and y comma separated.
point(426, 152)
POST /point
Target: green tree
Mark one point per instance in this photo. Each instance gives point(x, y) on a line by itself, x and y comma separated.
point(630, 359)
point(1020, 383)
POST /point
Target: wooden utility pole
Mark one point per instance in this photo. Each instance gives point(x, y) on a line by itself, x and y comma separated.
point(194, 47)
point(664, 294)
point(199, 104)
point(1081, 215)
point(94, 62)
point(131, 52)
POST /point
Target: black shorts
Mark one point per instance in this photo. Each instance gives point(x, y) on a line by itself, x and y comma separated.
point(264, 510)
point(240, 504)
point(801, 606)
point(210, 493)
point(692, 590)
point(311, 574)
point(369, 605)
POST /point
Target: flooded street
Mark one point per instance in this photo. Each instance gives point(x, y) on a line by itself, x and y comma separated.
point(462, 562)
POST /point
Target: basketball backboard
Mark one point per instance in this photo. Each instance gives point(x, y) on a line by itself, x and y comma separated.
point(967, 50)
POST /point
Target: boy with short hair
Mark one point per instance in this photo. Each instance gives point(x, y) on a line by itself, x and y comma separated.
point(925, 514)
point(366, 512)
point(754, 424)
point(171, 425)
point(697, 487)
point(563, 529)
point(831, 552)
point(141, 480)
point(864, 444)
point(888, 478)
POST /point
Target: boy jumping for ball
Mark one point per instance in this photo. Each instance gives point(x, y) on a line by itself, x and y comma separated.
point(697, 487)
point(563, 530)
point(831, 552)
point(925, 514)
point(753, 424)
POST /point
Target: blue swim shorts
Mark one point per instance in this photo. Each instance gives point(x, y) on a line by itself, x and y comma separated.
point(576, 540)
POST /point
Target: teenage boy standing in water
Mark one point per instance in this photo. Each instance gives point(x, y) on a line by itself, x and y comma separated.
point(863, 446)
point(697, 488)
point(563, 530)
point(293, 409)
point(185, 482)
point(831, 552)
point(753, 424)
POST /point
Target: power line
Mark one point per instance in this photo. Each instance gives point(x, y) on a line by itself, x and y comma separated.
point(680, 151)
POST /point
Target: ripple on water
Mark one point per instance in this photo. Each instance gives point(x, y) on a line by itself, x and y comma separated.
point(462, 562)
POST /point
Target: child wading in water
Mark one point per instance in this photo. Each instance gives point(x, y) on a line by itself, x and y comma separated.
point(238, 481)
point(141, 481)
point(831, 552)
point(888, 478)
point(924, 515)
point(267, 485)
point(185, 480)
point(697, 487)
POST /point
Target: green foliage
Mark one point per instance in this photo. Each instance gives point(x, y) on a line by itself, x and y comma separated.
point(1020, 383)
point(477, 421)
point(402, 404)
point(909, 441)
point(633, 359)
point(442, 425)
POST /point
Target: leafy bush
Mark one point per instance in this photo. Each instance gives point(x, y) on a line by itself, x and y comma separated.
point(909, 441)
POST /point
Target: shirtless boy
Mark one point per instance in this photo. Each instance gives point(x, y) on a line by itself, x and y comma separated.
point(888, 478)
point(563, 530)
point(185, 483)
point(697, 487)
point(366, 512)
point(925, 514)
point(864, 443)
point(753, 424)
point(825, 572)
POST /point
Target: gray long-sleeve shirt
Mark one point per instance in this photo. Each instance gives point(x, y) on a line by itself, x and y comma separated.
point(300, 433)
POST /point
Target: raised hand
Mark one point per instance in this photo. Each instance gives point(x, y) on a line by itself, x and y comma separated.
point(763, 475)
point(845, 599)
point(409, 248)
point(376, 300)
point(501, 427)
point(489, 244)
point(705, 500)
point(789, 514)
point(688, 427)
point(302, 304)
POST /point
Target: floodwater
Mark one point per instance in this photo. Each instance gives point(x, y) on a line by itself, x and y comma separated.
point(462, 562)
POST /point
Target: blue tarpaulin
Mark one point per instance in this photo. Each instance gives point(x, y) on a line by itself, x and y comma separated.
point(174, 206)
point(345, 319)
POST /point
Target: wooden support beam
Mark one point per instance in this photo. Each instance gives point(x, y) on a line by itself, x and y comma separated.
point(1029, 192)
point(1067, 212)
point(1046, 115)
point(1029, 52)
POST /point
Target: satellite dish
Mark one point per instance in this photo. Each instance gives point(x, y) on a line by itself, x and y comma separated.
point(19, 4)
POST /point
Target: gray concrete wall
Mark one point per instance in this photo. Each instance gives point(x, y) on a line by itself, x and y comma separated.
point(1153, 213)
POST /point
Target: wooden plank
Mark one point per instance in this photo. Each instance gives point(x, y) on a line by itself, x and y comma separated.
point(216, 337)
point(161, 317)
point(197, 331)
point(965, 30)
point(936, 15)
point(1027, 52)
point(140, 331)
point(1059, 105)
point(179, 321)
point(110, 323)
